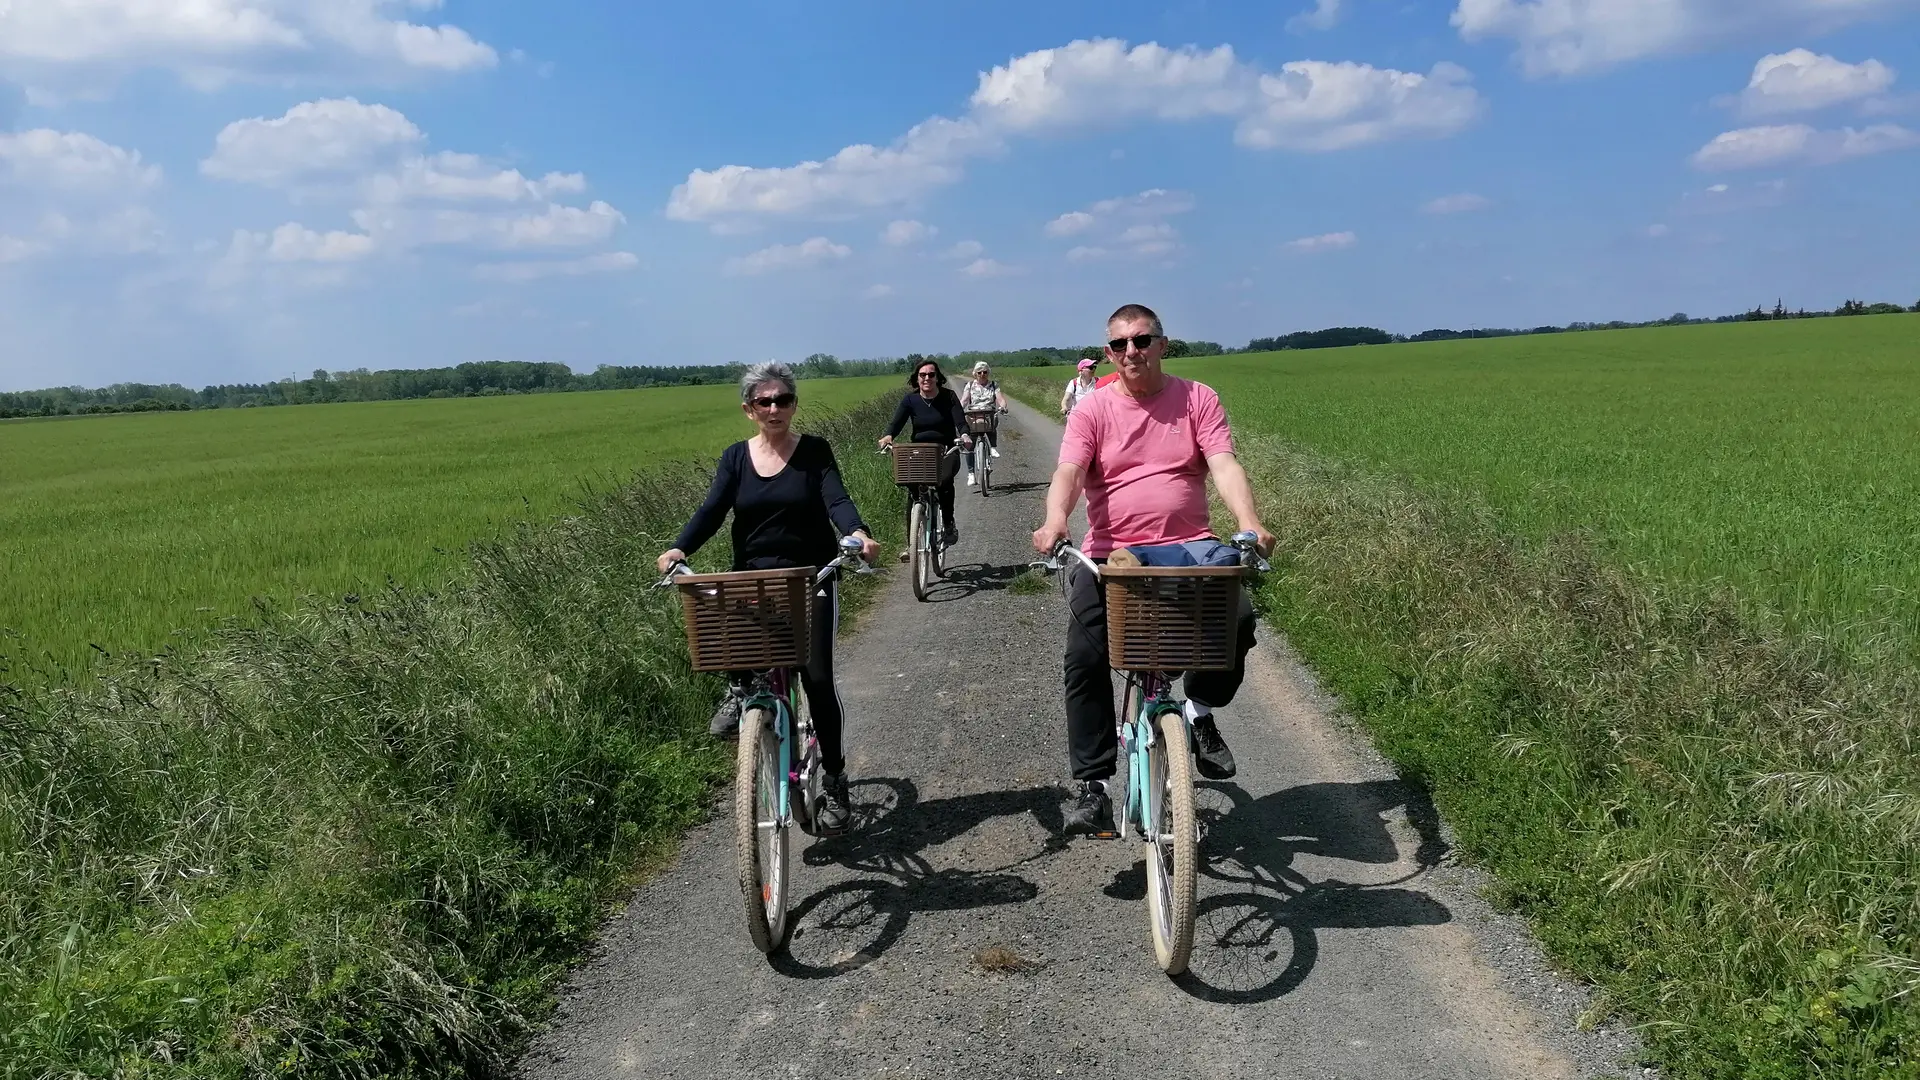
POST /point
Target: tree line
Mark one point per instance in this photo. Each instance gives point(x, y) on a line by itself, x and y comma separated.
point(496, 377)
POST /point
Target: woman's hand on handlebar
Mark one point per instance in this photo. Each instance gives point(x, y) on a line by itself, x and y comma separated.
point(886, 442)
point(869, 547)
point(668, 558)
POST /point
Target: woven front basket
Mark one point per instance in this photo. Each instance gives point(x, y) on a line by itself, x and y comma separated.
point(747, 621)
point(980, 423)
point(1172, 618)
point(916, 463)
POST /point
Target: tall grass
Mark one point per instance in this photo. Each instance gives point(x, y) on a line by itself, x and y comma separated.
point(132, 533)
point(362, 838)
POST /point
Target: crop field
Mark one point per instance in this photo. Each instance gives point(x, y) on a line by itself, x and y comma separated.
point(1783, 458)
point(127, 532)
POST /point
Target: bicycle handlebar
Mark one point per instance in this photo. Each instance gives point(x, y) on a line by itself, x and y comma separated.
point(851, 550)
point(1245, 542)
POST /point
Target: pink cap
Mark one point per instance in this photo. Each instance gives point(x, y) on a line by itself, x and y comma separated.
point(1086, 365)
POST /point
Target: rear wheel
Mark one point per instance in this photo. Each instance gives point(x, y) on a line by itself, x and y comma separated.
point(918, 554)
point(1172, 848)
point(760, 839)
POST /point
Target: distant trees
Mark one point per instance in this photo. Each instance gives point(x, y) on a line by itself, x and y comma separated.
point(1331, 338)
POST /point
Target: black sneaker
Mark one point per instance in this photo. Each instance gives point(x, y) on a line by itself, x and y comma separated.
point(951, 535)
point(835, 810)
point(1210, 750)
point(1091, 813)
point(726, 719)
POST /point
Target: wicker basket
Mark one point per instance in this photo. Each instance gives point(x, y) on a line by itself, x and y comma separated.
point(747, 621)
point(916, 463)
point(1172, 618)
point(981, 423)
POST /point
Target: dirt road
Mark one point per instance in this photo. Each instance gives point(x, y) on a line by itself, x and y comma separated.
point(955, 934)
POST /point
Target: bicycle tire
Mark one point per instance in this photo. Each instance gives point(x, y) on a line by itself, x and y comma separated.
point(985, 453)
point(917, 548)
point(760, 842)
point(937, 545)
point(1172, 856)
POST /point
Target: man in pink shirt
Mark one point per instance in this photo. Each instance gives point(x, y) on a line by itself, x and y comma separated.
point(1141, 451)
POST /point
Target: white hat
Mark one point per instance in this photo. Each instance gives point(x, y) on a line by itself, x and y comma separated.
point(980, 365)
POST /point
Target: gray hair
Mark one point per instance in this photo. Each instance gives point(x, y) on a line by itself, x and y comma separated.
point(771, 371)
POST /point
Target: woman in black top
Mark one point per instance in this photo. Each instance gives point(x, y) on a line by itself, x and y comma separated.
point(936, 415)
point(787, 501)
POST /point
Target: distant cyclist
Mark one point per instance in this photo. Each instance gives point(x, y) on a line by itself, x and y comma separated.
point(982, 395)
point(1141, 451)
point(787, 500)
point(936, 415)
point(1079, 387)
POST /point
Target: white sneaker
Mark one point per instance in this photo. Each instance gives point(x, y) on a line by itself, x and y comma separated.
point(969, 479)
point(994, 450)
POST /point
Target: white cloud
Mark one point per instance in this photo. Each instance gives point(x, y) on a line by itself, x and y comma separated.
point(1323, 242)
point(1656, 230)
point(1717, 189)
point(68, 162)
point(369, 157)
point(1316, 106)
point(1324, 16)
point(1803, 81)
point(902, 233)
point(986, 268)
point(1462, 203)
point(1572, 37)
point(294, 242)
point(1071, 223)
point(965, 249)
point(313, 139)
point(1132, 224)
point(86, 43)
point(809, 252)
point(612, 262)
point(1083, 85)
point(14, 249)
point(876, 292)
point(1783, 144)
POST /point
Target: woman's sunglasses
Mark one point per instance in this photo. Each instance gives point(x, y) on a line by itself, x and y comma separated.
point(1143, 342)
point(778, 401)
point(926, 374)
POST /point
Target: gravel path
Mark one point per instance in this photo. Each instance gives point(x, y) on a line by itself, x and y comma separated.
point(955, 934)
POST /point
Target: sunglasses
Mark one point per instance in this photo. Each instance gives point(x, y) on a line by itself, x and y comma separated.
point(926, 374)
point(1143, 342)
point(778, 401)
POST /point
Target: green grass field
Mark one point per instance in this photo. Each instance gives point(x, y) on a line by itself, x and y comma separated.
point(1783, 458)
point(123, 530)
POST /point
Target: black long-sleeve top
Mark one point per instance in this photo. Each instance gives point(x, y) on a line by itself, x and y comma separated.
point(787, 519)
point(937, 421)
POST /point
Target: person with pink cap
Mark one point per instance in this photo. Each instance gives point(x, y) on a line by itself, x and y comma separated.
point(1080, 387)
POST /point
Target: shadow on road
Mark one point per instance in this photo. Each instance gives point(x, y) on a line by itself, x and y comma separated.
point(850, 923)
point(1257, 940)
point(963, 581)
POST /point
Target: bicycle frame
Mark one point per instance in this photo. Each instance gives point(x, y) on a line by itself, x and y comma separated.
point(1137, 736)
point(779, 692)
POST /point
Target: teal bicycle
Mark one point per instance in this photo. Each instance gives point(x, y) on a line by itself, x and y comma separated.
point(754, 625)
point(1162, 621)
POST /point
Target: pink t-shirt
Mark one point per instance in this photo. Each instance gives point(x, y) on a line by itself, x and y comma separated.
point(1145, 461)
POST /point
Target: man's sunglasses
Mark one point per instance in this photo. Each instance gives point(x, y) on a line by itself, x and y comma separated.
point(777, 401)
point(1143, 342)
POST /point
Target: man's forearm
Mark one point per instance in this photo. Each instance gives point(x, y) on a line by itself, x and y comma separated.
point(1063, 494)
point(1231, 481)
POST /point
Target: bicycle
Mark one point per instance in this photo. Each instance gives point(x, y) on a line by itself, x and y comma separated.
point(755, 623)
point(1162, 621)
point(917, 467)
point(984, 425)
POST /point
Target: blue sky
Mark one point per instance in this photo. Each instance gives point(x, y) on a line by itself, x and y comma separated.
point(246, 189)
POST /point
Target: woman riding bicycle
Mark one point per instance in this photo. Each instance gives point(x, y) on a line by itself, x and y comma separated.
point(787, 499)
point(982, 395)
point(936, 415)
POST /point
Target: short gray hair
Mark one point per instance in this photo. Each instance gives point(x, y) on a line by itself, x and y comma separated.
point(771, 371)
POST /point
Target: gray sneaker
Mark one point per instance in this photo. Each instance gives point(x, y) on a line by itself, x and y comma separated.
point(835, 807)
point(726, 719)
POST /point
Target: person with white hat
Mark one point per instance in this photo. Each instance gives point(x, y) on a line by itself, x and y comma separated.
point(982, 395)
point(1081, 385)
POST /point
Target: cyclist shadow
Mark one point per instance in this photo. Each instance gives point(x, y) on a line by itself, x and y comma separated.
point(849, 924)
point(963, 581)
point(1255, 939)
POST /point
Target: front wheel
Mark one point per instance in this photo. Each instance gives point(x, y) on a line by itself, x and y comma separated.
point(919, 553)
point(759, 836)
point(985, 454)
point(1172, 848)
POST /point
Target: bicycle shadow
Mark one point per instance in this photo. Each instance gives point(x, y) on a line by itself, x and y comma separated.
point(965, 580)
point(851, 923)
point(1257, 940)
